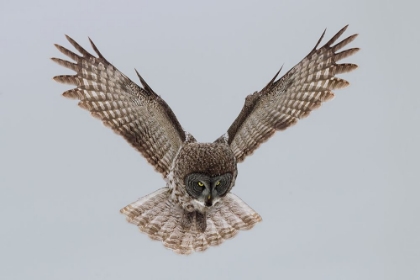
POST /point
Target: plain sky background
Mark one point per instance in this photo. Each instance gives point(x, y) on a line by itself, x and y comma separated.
point(338, 192)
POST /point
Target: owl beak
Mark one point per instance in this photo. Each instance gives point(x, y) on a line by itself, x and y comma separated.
point(208, 201)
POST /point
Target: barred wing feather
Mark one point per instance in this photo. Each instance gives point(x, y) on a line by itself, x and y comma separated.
point(284, 101)
point(137, 113)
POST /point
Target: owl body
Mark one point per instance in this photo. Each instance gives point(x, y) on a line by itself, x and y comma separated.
point(184, 223)
point(196, 209)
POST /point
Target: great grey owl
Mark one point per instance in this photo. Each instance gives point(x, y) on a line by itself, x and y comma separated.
point(196, 209)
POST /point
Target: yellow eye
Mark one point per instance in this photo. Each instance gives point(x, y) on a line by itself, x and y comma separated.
point(217, 183)
point(200, 184)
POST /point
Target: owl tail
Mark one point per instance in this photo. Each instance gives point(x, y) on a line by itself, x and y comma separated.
point(162, 219)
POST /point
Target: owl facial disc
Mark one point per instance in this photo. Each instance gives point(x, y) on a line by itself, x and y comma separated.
point(207, 189)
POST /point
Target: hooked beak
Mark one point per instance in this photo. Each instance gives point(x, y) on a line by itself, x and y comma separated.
point(208, 202)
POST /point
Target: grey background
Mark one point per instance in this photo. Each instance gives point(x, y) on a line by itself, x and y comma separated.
point(338, 193)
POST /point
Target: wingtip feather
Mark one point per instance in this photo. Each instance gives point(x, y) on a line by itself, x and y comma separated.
point(319, 40)
point(337, 83)
point(67, 52)
point(344, 42)
point(73, 94)
point(67, 79)
point(65, 63)
point(346, 53)
point(344, 68)
point(96, 49)
point(79, 48)
point(144, 84)
point(271, 82)
point(336, 36)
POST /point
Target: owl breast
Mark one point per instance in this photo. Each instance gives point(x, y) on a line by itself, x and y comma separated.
point(210, 159)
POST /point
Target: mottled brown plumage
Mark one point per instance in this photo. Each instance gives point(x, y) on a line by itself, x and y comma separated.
point(128, 109)
point(196, 208)
point(283, 102)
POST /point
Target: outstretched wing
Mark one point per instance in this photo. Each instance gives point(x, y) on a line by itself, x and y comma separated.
point(283, 102)
point(136, 113)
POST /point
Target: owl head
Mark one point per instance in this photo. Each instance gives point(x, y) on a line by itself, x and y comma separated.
point(206, 172)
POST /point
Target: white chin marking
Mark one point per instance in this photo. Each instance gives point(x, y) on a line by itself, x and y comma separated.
point(199, 205)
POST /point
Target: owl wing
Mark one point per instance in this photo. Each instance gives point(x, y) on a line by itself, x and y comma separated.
point(137, 113)
point(286, 100)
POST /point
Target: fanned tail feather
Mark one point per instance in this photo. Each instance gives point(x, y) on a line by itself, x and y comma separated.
point(161, 219)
